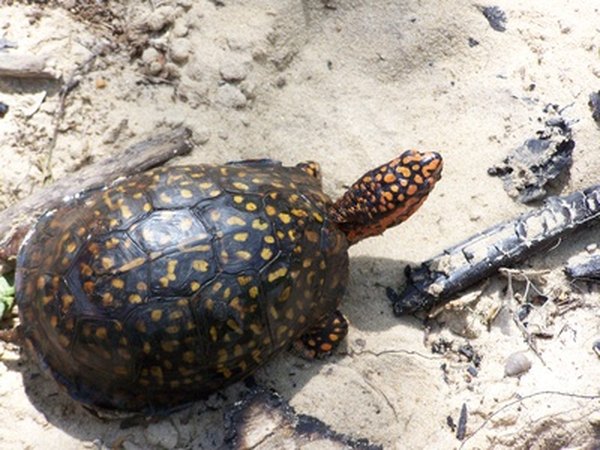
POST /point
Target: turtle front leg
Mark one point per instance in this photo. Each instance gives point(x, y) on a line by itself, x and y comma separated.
point(322, 339)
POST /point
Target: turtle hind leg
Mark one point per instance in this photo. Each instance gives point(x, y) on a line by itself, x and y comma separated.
point(322, 339)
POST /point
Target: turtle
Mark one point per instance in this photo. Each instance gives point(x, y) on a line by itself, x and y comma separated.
point(166, 286)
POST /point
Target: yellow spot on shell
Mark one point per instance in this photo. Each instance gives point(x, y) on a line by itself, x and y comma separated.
point(194, 286)
point(107, 299)
point(135, 299)
point(259, 224)
point(101, 333)
point(146, 348)
point(253, 292)
point(269, 239)
point(126, 212)
point(266, 254)
point(71, 247)
point(156, 314)
point(200, 265)
point(118, 283)
point(234, 326)
point(318, 217)
point(243, 254)
point(270, 210)
point(169, 346)
point(66, 301)
point(186, 224)
point(250, 206)
point(243, 280)
point(186, 193)
point(188, 357)
point(63, 340)
point(276, 274)
point(107, 263)
point(205, 185)
point(238, 199)
point(234, 220)
point(274, 313)
point(165, 198)
point(54, 321)
point(285, 294)
point(221, 356)
point(239, 185)
point(256, 328)
point(240, 237)
point(213, 333)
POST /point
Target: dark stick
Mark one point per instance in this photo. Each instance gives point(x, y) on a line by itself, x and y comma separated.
point(16, 219)
point(459, 267)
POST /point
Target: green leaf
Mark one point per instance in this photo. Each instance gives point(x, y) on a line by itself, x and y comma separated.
point(7, 295)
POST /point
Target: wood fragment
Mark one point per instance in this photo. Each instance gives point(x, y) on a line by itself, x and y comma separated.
point(26, 66)
point(502, 245)
point(462, 423)
point(16, 220)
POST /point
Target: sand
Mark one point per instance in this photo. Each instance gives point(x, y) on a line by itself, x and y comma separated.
point(349, 84)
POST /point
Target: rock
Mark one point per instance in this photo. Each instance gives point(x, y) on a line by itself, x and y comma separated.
point(517, 364)
point(153, 60)
point(233, 71)
point(201, 136)
point(231, 96)
point(159, 18)
point(162, 434)
point(180, 50)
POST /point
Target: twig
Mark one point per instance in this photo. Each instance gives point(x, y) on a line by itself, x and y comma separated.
point(520, 400)
point(16, 219)
point(59, 114)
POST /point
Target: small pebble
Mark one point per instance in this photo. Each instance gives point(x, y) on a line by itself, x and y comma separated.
point(591, 248)
point(517, 364)
point(3, 109)
point(162, 434)
point(231, 96)
point(234, 71)
point(596, 347)
point(153, 60)
point(180, 50)
point(201, 137)
point(101, 83)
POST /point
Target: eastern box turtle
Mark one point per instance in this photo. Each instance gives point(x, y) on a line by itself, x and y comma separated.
point(169, 285)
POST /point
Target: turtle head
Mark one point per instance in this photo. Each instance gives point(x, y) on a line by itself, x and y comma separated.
point(386, 196)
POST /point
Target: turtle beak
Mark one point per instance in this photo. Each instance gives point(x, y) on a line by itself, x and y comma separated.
point(387, 195)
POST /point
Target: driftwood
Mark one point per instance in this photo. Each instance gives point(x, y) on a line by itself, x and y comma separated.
point(16, 220)
point(26, 66)
point(463, 265)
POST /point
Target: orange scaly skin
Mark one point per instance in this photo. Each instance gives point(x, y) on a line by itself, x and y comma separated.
point(388, 195)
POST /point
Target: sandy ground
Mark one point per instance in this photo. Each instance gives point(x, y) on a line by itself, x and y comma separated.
point(348, 83)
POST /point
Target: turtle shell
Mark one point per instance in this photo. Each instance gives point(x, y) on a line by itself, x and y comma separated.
point(171, 284)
